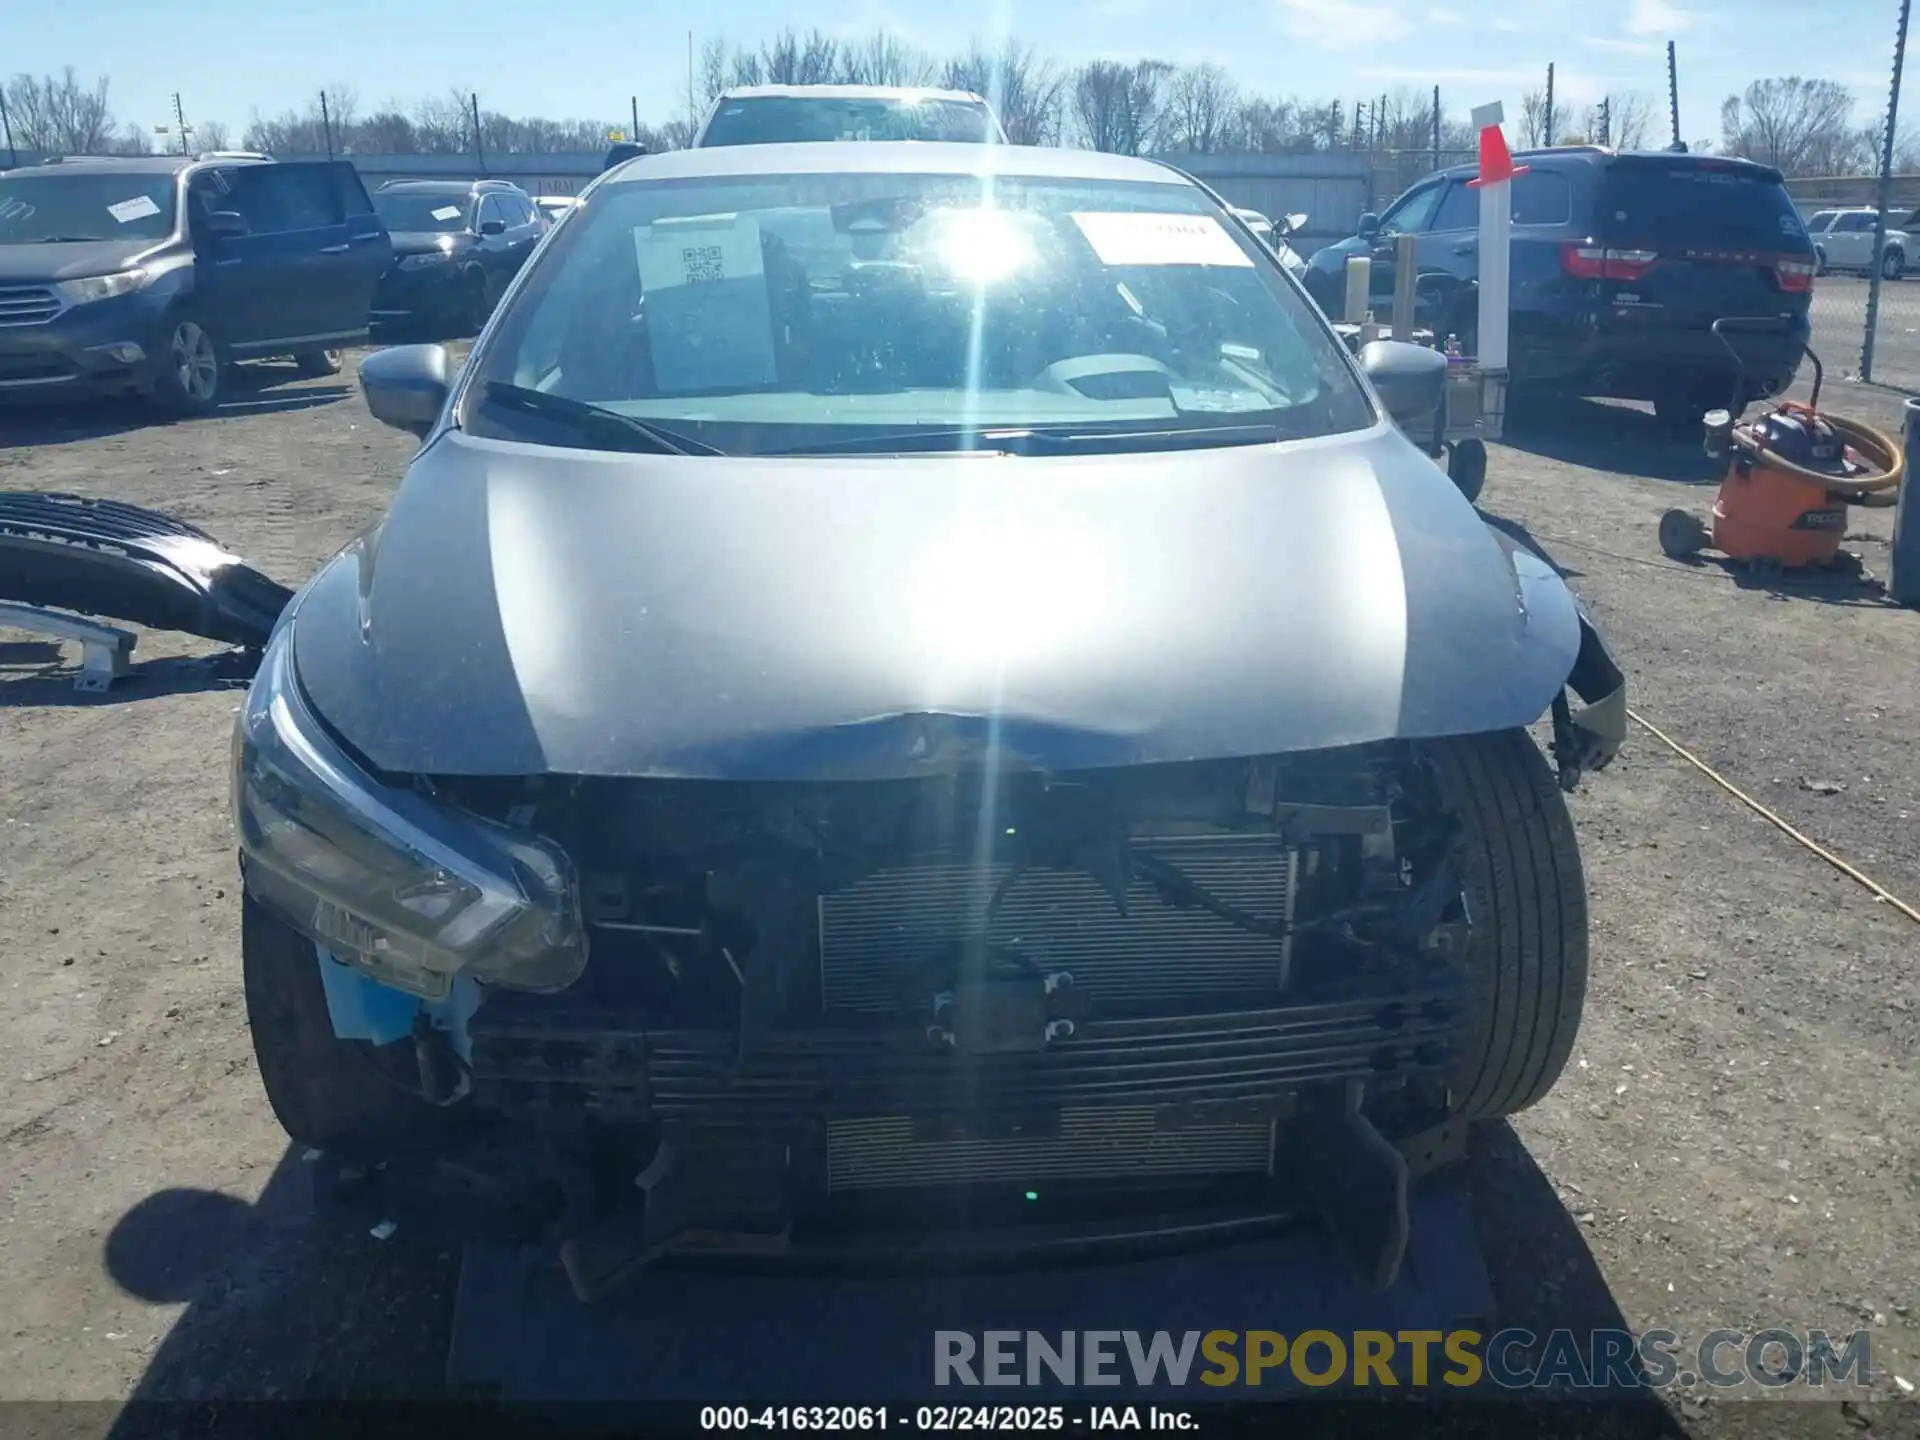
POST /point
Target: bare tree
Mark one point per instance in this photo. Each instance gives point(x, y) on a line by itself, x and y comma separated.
point(1802, 127)
point(1026, 90)
point(1202, 106)
point(1533, 120)
point(1116, 104)
point(792, 59)
point(882, 59)
point(60, 114)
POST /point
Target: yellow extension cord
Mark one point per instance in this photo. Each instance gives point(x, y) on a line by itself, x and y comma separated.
point(1764, 813)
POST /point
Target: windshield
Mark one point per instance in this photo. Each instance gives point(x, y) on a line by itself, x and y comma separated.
point(39, 208)
point(781, 313)
point(782, 120)
point(411, 211)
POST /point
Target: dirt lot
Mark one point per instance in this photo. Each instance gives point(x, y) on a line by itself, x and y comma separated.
point(1735, 1144)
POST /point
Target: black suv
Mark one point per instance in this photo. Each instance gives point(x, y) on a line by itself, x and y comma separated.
point(1621, 264)
point(456, 244)
point(151, 275)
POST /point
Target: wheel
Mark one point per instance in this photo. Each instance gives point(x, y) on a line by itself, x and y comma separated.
point(1527, 899)
point(312, 364)
point(1893, 264)
point(475, 306)
point(345, 1096)
point(190, 372)
point(1682, 536)
point(1819, 260)
point(1467, 464)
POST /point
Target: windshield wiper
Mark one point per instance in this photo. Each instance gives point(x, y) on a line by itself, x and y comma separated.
point(607, 429)
point(64, 239)
point(1045, 440)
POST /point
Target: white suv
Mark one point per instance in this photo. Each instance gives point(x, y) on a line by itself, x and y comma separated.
point(784, 114)
point(1843, 240)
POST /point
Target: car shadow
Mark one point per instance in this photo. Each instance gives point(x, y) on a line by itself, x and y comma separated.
point(295, 1297)
point(1519, 533)
point(37, 674)
point(248, 393)
point(1600, 435)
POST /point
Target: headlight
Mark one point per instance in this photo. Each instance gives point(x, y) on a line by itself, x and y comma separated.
point(102, 287)
point(424, 262)
point(411, 891)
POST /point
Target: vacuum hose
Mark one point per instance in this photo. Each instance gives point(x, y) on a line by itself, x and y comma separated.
point(1873, 447)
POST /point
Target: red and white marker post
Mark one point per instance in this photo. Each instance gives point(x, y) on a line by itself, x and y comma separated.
point(1495, 184)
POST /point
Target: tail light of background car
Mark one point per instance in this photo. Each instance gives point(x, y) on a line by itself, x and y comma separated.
point(1795, 276)
point(1594, 262)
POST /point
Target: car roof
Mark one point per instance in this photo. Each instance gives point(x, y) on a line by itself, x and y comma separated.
point(1602, 154)
point(901, 157)
point(900, 94)
point(113, 164)
point(443, 187)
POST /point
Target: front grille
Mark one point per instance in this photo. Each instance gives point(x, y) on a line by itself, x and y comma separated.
point(28, 304)
point(1117, 1144)
point(29, 368)
point(1067, 921)
point(527, 1057)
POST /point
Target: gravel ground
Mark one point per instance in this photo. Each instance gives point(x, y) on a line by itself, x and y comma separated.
point(1733, 1145)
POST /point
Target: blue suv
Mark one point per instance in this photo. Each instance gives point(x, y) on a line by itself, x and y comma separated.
point(1621, 264)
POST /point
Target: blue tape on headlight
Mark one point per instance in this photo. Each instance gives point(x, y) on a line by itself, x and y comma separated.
point(411, 891)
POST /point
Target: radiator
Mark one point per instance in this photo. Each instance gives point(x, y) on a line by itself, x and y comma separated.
point(1069, 922)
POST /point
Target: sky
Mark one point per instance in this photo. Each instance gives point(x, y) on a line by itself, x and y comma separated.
point(584, 58)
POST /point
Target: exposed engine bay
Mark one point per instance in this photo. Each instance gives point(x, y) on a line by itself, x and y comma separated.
point(897, 1007)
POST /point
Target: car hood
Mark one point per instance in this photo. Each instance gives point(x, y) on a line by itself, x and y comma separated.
point(1334, 257)
point(421, 242)
point(45, 264)
point(523, 610)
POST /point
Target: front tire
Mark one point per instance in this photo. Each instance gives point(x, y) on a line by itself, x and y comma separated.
point(1820, 260)
point(190, 373)
point(1527, 899)
point(326, 1092)
point(314, 364)
point(1893, 265)
point(475, 306)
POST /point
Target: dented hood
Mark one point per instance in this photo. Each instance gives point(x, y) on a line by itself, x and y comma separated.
point(524, 610)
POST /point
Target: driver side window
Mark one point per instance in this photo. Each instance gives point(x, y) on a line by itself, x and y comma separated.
point(1412, 211)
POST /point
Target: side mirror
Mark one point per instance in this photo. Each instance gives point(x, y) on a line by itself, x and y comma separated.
point(223, 225)
point(493, 227)
point(407, 386)
point(1368, 227)
point(1292, 224)
point(1411, 381)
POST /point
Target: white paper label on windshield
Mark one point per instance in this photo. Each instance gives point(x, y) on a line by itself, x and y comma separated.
point(447, 212)
point(709, 317)
point(1134, 238)
point(138, 208)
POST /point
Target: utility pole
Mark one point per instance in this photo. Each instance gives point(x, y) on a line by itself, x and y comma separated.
point(180, 121)
point(1673, 82)
point(1606, 120)
point(1886, 195)
point(326, 123)
point(693, 115)
point(479, 151)
point(1359, 123)
point(633, 102)
point(1436, 127)
point(1546, 122)
point(1380, 136)
point(6, 125)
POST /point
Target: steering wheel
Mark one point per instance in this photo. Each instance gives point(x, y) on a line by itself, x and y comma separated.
point(1108, 377)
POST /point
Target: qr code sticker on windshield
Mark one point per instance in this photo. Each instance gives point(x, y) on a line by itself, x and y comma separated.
point(703, 264)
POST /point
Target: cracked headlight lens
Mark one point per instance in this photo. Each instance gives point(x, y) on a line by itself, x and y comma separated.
point(411, 891)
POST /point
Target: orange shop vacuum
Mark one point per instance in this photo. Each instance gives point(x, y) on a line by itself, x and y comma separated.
point(1791, 474)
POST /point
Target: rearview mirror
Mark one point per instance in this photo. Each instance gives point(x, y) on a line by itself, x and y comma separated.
point(223, 225)
point(1411, 381)
point(1368, 227)
point(407, 386)
point(493, 227)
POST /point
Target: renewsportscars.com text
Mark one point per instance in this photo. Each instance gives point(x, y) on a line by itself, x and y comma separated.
point(1507, 1359)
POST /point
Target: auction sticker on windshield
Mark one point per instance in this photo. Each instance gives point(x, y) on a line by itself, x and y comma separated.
point(447, 212)
point(709, 319)
point(138, 208)
point(1127, 237)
